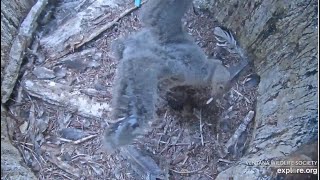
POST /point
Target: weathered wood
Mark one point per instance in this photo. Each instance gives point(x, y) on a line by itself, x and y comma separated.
point(62, 95)
point(281, 39)
point(19, 46)
point(12, 12)
point(242, 127)
point(81, 28)
point(81, 60)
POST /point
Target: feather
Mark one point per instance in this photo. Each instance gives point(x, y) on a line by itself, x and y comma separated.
point(225, 39)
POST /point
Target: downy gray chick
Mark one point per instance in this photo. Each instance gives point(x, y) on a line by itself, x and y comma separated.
point(161, 52)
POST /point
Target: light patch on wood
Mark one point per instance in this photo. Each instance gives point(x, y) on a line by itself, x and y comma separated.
point(61, 95)
point(80, 29)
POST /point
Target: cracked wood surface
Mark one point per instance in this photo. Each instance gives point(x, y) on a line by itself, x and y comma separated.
point(12, 12)
point(18, 48)
point(81, 28)
point(62, 95)
point(283, 47)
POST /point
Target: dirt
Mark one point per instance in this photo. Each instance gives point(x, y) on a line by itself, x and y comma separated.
point(187, 141)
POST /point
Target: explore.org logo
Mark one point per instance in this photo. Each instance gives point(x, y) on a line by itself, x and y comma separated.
point(288, 167)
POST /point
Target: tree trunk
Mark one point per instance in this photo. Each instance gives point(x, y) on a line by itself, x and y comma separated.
point(12, 13)
point(280, 38)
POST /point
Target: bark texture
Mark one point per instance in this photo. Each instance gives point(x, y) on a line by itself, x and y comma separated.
point(12, 164)
point(281, 39)
point(12, 14)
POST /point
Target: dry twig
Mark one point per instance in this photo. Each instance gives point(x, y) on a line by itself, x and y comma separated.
point(84, 139)
point(105, 27)
point(247, 100)
point(225, 160)
point(189, 172)
point(201, 126)
point(166, 147)
point(79, 141)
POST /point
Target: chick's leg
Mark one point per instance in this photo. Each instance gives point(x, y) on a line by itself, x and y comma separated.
point(134, 98)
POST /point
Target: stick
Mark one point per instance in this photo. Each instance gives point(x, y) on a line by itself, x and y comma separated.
point(79, 141)
point(201, 136)
point(166, 147)
point(225, 160)
point(189, 172)
point(84, 139)
point(248, 101)
point(105, 27)
point(179, 144)
point(242, 127)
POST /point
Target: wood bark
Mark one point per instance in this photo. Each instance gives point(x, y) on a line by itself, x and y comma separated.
point(280, 38)
point(12, 14)
point(18, 48)
point(62, 95)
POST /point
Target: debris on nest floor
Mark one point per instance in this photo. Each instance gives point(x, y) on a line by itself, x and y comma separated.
point(61, 104)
